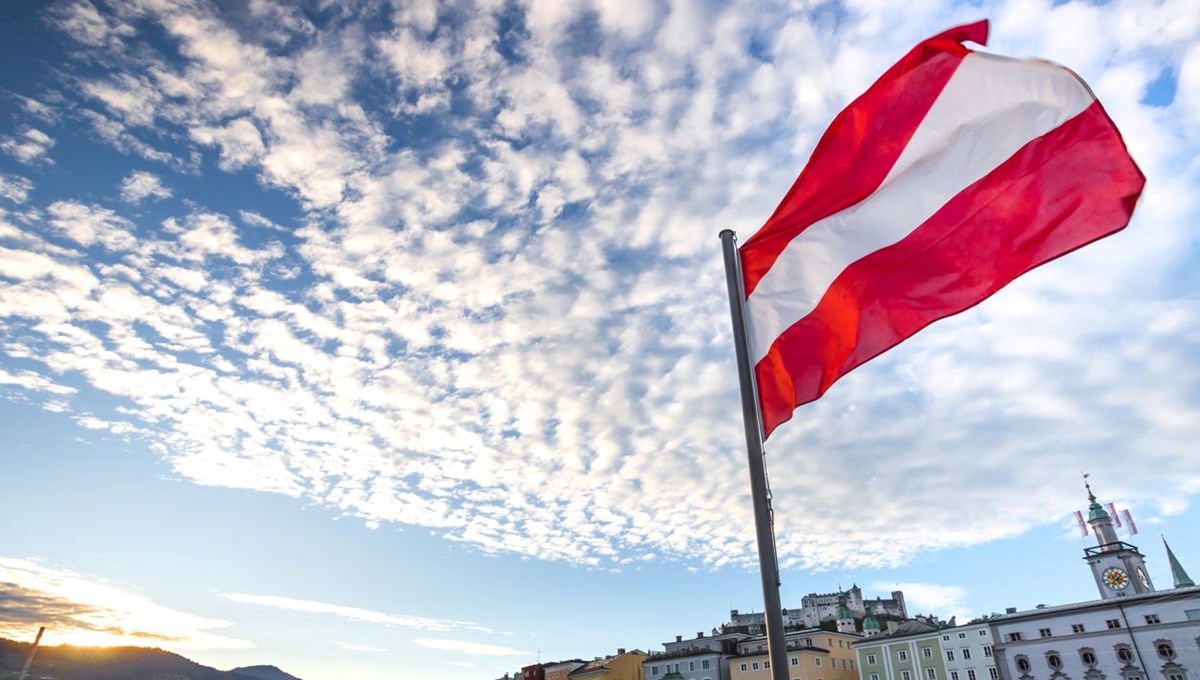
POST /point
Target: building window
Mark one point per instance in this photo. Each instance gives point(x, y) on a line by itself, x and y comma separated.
point(704, 664)
point(841, 645)
point(1076, 627)
point(874, 676)
point(1014, 637)
point(982, 632)
point(1175, 675)
point(743, 668)
point(1023, 664)
point(871, 659)
point(795, 661)
point(902, 655)
point(970, 674)
point(1113, 623)
point(962, 636)
point(754, 666)
point(987, 651)
point(927, 652)
point(691, 665)
point(905, 675)
point(1044, 632)
point(845, 664)
point(1124, 654)
point(1192, 614)
point(931, 673)
point(949, 655)
point(1054, 661)
point(1088, 657)
point(766, 664)
point(817, 662)
point(1164, 650)
point(953, 675)
point(993, 673)
point(654, 670)
point(1152, 619)
point(966, 654)
point(945, 637)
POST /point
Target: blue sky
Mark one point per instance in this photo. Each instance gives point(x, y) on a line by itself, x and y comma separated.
point(388, 340)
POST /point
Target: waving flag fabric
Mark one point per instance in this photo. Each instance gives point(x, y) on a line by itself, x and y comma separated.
point(956, 172)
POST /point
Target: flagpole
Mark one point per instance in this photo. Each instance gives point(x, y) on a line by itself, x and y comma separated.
point(768, 562)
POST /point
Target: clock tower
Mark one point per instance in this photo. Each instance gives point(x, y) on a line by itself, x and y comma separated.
point(1118, 567)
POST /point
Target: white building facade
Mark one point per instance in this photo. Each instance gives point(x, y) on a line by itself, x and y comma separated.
point(969, 653)
point(1133, 632)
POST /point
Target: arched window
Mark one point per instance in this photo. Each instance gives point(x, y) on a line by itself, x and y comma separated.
point(1088, 657)
point(1164, 649)
point(1054, 661)
point(1022, 664)
point(1124, 654)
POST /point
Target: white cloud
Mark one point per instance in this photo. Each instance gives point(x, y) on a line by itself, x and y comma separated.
point(14, 188)
point(141, 185)
point(28, 147)
point(942, 601)
point(352, 613)
point(81, 610)
point(358, 648)
point(472, 648)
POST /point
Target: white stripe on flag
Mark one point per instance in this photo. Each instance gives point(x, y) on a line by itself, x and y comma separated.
point(990, 108)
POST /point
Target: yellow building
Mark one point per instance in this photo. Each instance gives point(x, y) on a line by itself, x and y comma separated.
point(623, 666)
point(812, 655)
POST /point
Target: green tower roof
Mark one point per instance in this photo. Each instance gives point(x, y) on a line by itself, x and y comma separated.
point(1095, 510)
point(1180, 576)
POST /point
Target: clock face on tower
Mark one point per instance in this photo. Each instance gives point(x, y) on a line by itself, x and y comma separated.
point(1143, 578)
point(1115, 578)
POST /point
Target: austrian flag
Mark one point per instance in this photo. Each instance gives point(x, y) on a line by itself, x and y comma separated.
point(956, 172)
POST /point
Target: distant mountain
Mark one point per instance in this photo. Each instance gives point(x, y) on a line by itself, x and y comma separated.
point(65, 662)
point(263, 673)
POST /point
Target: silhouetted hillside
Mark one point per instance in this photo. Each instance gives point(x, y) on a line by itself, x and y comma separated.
point(263, 673)
point(65, 662)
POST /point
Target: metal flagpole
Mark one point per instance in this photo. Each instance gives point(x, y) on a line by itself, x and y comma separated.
point(768, 562)
point(32, 651)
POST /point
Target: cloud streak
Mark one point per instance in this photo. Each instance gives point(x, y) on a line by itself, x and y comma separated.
point(353, 613)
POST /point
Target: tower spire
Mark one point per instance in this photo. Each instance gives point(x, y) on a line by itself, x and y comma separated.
point(1178, 575)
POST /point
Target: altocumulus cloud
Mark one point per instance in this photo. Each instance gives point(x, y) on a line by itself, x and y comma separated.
point(496, 309)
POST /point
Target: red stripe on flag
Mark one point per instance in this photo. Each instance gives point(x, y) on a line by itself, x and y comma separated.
point(1061, 191)
point(861, 145)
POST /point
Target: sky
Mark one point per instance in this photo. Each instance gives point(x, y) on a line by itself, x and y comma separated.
point(390, 340)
